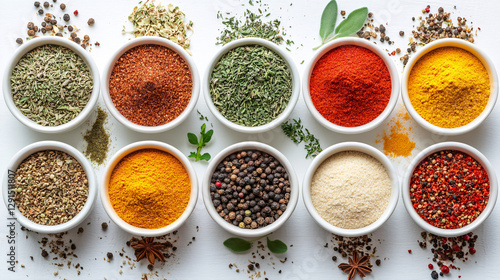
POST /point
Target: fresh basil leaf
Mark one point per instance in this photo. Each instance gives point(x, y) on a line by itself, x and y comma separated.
point(276, 246)
point(328, 20)
point(208, 136)
point(205, 156)
point(192, 155)
point(192, 139)
point(352, 24)
point(237, 244)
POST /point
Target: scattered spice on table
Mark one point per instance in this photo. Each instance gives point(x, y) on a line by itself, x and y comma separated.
point(371, 31)
point(45, 183)
point(449, 87)
point(449, 189)
point(51, 85)
point(360, 265)
point(157, 20)
point(350, 86)
point(61, 250)
point(350, 189)
point(150, 85)
point(397, 141)
point(149, 188)
point(250, 189)
point(251, 85)
point(97, 139)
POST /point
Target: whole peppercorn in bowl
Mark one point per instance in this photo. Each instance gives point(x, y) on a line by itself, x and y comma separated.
point(449, 189)
point(250, 189)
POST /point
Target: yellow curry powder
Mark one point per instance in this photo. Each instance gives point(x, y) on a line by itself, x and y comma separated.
point(149, 188)
point(397, 142)
point(449, 87)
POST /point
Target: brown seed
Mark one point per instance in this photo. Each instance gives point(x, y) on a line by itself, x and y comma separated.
point(91, 21)
point(31, 32)
point(86, 38)
point(73, 35)
point(62, 6)
point(46, 4)
point(19, 40)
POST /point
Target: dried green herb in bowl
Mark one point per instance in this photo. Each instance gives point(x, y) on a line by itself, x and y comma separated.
point(51, 85)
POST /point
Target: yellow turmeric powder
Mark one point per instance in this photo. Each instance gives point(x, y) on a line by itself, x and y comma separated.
point(149, 188)
point(449, 87)
point(397, 142)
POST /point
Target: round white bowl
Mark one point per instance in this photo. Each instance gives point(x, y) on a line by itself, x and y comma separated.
point(359, 147)
point(27, 47)
point(106, 203)
point(250, 233)
point(295, 85)
point(462, 148)
point(485, 60)
point(389, 63)
point(8, 183)
point(150, 40)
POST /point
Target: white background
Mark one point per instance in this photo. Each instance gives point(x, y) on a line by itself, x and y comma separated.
point(206, 257)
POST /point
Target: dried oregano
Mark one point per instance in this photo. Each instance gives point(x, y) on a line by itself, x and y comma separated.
point(51, 85)
point(158, 20)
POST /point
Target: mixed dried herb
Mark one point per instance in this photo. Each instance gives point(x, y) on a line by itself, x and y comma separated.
point(157, 20)
point(251, 85)
point(298, 134)
point(51, 85)
point(241, 245)
point(97, 139)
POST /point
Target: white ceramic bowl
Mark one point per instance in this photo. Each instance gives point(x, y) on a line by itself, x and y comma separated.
point(292, 177)
point(140, 146)
point(389, 63)
point(351, 146)
point(27, 47)
point(488, 64)
point(462, 148)
point(150, 40)
point(8, 183)
point(295, 85)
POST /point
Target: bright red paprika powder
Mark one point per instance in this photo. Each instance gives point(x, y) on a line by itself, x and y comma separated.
point(350, 86)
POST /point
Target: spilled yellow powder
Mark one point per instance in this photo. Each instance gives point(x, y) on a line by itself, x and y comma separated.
point(397, 142)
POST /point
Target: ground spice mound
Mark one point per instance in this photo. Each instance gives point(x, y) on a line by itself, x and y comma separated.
point(97, 139)
point(150, 85)
point(397, 142)
point(350, 86)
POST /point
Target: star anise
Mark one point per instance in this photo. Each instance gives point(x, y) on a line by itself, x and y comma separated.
point(147, 248)
point(356, 264)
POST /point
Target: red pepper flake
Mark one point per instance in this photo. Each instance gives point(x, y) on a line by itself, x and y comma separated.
point(449, 189)
point(445, 269)
point(150, 85)
point(409, 251)
point(75, 12)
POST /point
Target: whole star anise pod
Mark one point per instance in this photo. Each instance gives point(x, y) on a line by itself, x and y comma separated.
point(356, 264)
point(147, 248)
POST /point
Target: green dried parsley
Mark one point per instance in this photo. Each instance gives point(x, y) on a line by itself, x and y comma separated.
point(51, 85)
point(251, 85)
point(158, 20)
point(97, 139)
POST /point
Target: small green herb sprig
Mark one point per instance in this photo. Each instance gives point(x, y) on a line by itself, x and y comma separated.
point(352, 24)
point(241, 245)
point(205, 137)
point(296, 131)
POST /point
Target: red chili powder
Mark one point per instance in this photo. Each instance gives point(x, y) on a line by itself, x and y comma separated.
point(150, 85)
point(350, 86)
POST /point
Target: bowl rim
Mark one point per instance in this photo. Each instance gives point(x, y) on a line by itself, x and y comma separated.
point(30, 149)
point(150, 40)
point(141, 145)
point(295, 85)
point(462, 147)
point(359, 147)
point(474, 50)
point(391, 67)
point(29, 46)
point(250, 233)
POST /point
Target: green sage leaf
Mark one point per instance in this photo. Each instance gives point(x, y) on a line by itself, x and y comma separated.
point(192, 139)
point(328, 20)
point(237, 244)
point(208, 136)
point(276, 246)
point(205, 156)
point(353, 23)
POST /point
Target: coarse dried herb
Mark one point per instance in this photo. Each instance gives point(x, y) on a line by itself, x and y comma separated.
point(51, 85)
point(97, 139)
point(241, 245)
point(205, 137)
point(295, 131)
point(252, 26)
point(251, 85)
point(157, 20)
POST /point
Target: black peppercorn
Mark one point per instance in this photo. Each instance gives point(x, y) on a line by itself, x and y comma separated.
point(53, 22)
point(19, 40)
point(109, 255)
point(37, 4)
point(66, 17)
point(40, 12)
point(46, 4)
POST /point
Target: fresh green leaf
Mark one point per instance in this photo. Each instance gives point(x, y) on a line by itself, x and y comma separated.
point(208, 136)
point(203, 127)
point(328, 20)
point(352, 24)
point(192, 139)
point(237, 244)
point(192, 155)
point(205, 156)
point(276, 246)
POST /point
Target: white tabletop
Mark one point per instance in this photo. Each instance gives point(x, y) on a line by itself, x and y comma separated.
point(207, 258)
